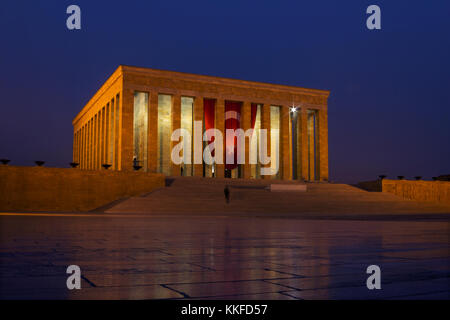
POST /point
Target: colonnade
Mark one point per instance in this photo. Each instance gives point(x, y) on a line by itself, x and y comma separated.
point(96, 139)
point(303, 155)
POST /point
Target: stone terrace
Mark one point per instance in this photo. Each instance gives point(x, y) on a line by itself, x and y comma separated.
point(200, 196)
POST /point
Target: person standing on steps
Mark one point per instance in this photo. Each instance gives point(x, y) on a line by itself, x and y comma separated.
point(226, 191)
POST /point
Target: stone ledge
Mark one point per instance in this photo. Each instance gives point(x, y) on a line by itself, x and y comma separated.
point(64, 189)
point(287, 187)
point(436, 191)
point(372, 186)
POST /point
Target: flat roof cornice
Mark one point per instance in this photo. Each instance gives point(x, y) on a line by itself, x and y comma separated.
point(104, 87)
point(222, 81)
point(122, 70)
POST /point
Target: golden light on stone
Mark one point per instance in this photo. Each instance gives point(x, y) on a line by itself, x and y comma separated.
point(131, 119)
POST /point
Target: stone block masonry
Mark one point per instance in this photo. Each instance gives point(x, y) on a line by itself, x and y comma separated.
point(59, 189)
point(436, 191)
point(107, 131)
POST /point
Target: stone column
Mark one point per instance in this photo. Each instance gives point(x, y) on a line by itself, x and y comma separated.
point(265, 124)
point(94, 144)
point(311, 143)
point(117, 132)
point(77, 157)
point(246, 124)
point(323, 144)
point(91, 143)
point(111, 142)
point(127, 132)
point(79, 148)
point(220, 125)
point(298, 143)
point(93, 140)
point(176, 124)
point(85, 146)
point(98, 140)
point(101, 138)
point(285, 158)
point(90, 137)
point(104, 132)
point(152, 140)
point(82, 148)
point(107, 132)
point(198, 116)
point(304, 143)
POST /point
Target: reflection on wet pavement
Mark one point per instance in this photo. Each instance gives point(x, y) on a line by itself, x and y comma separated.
point(141, 257)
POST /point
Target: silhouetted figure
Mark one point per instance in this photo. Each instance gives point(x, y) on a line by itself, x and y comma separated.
point(226, 191)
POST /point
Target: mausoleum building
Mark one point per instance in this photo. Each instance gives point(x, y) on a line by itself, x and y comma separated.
point(131, 122)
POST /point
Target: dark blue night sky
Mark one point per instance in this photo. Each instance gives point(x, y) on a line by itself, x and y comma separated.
point(389, 108)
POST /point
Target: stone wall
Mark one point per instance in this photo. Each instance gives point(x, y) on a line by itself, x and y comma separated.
point(372, 186)
point(437, 191)
point(58, 189)
point(103, 130)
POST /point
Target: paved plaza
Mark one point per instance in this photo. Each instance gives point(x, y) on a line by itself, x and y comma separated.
point(226, 255)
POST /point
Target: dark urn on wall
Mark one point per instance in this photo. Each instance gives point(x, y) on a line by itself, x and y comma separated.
point(401, 177)
point(418, 177)
point(5, 161)
point(106, 166)
point(443, 177)
point(39, 163)
point(74, 164)
point(382, 176)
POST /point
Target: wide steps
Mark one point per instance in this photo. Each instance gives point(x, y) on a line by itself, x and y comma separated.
point(205, 196)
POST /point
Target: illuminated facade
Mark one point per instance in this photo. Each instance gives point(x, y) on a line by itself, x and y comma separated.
point(129, 122)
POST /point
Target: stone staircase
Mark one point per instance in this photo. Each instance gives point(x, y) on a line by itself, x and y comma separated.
point(205, 196)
